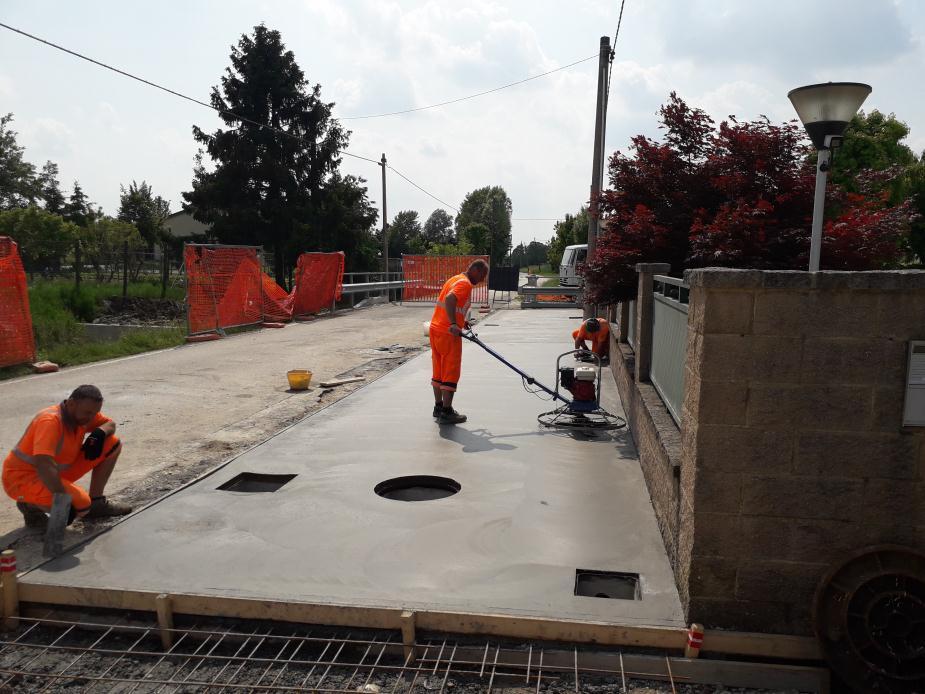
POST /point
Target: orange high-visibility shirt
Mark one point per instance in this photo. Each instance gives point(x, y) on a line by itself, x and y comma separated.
point(597, 339)
point(460, 286)
point(47, 435)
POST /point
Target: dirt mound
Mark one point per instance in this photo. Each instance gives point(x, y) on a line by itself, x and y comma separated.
point(134, 310)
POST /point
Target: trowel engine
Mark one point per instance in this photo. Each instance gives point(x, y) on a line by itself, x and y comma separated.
point(582, 382)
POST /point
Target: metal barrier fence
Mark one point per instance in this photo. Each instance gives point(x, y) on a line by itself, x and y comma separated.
point(669, 341)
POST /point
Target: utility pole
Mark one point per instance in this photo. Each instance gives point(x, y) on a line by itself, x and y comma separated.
point(597, 171)
point(385, 225)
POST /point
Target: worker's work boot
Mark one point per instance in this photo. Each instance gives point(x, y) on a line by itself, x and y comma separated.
point(451, 416)
point(101, 507)
point(438, 410)
point(33, 516)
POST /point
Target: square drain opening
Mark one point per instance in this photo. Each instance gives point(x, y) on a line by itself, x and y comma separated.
point(616, 585)
point(255, 482)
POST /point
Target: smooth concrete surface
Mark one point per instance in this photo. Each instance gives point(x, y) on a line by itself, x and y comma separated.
point(535, 505)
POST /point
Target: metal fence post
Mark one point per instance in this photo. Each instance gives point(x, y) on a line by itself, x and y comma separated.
point(125, 268)
point(644, 310)
point(165, 269)
point(77, 261)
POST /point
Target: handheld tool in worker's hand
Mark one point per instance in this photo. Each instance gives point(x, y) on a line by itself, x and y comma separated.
point(583, 410)
point(57, 522)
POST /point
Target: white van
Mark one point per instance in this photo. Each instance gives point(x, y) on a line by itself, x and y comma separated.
point(572, 257)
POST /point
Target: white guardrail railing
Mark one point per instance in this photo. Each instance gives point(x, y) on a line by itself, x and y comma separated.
point(669, 341)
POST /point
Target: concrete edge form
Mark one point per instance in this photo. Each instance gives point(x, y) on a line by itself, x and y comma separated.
point(731, 643)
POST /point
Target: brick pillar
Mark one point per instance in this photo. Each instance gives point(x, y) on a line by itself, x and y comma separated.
point(644, 308)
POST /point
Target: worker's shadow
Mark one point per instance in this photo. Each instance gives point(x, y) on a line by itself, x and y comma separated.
point(475, 441)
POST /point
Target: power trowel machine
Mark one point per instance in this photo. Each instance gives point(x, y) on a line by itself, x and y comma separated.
point(582, 382)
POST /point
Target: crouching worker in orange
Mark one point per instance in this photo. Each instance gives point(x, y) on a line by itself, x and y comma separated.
point(62, 444)
point(446, 326)
point(597, 330)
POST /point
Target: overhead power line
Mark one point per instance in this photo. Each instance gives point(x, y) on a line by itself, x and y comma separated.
point(613, 51)
point(173, 92)
point(472, 96)
point(244, 119)
point(445, 204)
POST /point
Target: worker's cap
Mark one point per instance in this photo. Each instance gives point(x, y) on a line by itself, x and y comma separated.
point(592, 325)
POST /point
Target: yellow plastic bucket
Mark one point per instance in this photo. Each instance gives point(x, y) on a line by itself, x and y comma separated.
point(299, 379)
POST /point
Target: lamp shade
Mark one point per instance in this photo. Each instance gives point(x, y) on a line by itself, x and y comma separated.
point(826, 109)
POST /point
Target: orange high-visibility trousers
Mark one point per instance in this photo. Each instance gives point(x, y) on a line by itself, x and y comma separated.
point(23, 484)
point(446, 355)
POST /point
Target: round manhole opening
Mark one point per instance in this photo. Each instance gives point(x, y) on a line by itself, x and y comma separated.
point(417, 488)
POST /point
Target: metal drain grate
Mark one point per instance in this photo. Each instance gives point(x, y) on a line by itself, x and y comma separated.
point(417, 488)
point(255, 482)
point(615, 585)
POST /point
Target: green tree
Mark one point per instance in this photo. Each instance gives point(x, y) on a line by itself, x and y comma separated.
point(148, 212)
point(491, 207)
point(405, 235)
point(348, 216)
point(18, 185)
point(519, 256)
point(44, 238)
point(873, 141)
point(439, 228)
point(50, 188)
point(913, 188)
point(478, 236)
point(270, 170)
point(102, 243)
point(536, 253)
point(568, 232)
point(79, 210)
point(461, 248)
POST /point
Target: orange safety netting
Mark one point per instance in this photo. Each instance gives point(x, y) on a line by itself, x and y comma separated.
point(228, 288)
point(17, 343)
point(424, 276)
point(319, 282)
point(224, 287)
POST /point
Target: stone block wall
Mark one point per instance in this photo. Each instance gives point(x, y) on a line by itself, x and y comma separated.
point(793, 452)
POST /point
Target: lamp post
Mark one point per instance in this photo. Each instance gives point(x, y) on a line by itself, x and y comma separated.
point(825, 110)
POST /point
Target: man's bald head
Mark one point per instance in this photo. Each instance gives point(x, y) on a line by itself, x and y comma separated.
point(478, 271)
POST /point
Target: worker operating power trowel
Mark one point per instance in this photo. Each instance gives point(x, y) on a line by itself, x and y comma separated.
point(445, 332)
point(62, 444)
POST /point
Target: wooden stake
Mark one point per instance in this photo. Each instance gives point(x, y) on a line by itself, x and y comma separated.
point(9, 581)
point(165, 619)
point(408, 635)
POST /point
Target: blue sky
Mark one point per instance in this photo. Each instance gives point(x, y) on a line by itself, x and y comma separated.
point(372, 56)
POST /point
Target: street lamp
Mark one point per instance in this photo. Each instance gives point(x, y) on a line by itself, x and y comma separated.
point(825, 109)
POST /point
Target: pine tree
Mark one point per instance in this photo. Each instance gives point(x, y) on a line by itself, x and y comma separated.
point(51, 188)
point(270, 169)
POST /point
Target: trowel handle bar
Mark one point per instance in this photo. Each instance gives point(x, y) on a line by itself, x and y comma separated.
point(472, 337)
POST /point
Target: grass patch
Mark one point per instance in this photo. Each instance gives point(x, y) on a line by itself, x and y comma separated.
point(136, 342)
point(542, 271)
point(552, 282)
point(58, 308)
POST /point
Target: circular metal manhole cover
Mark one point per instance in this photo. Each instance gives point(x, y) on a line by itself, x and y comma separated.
point(417, 488)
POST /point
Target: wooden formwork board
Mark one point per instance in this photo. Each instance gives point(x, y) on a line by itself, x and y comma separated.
point(509, 626)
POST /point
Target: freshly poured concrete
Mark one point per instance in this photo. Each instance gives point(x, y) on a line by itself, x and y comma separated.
point(535, 505)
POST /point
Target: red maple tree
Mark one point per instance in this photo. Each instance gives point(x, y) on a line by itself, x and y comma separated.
point(736, 195)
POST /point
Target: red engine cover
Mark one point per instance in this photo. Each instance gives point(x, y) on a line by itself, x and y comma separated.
point(583, 390)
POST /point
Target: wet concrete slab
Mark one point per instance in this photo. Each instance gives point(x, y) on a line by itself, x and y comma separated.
point(534, 505)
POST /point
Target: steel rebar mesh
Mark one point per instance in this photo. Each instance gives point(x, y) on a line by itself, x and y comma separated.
point(127, 655)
